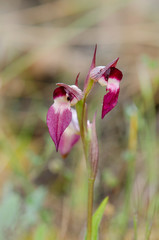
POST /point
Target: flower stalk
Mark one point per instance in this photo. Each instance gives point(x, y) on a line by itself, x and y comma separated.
point(88, 133)
point(90, 207)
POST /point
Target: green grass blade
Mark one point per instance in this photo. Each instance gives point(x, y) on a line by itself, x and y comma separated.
point(97, 219)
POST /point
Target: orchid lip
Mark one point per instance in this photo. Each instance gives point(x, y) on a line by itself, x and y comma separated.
point(110, 100)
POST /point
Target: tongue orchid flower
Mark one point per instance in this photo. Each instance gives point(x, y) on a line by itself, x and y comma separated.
point(110, 77)
point(62, 120)
point(60, 115)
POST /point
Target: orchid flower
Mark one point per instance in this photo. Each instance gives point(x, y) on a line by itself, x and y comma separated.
point(60, 116)
point(110, 77)
point(62, 119)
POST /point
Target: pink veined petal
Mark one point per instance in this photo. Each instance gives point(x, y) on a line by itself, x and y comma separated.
point(109, 101)
point(68, 140)
point(58, 118)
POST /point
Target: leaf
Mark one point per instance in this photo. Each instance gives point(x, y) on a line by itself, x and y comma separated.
point(97, 219)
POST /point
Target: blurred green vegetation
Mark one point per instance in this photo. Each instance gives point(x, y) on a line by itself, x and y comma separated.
point(42, 196)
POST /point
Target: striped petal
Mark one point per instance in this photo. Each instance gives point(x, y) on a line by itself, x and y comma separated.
point(58, 118)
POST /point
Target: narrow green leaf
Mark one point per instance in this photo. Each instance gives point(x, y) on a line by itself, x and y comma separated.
point(97, 219)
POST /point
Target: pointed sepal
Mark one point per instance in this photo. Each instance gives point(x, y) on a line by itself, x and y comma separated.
point(88, 83)
point(76, 82)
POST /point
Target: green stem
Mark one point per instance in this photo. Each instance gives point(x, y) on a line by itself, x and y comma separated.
point(83, 131)
point(90, 178)
point(82, 118)
point(90, 207)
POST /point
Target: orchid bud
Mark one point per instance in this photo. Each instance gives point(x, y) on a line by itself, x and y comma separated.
point(94, 151)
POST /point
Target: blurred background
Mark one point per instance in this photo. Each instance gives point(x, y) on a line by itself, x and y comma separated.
point(42, 42)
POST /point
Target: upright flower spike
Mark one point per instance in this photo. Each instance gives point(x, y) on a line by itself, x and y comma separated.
point(59, 115)
point(110, 77)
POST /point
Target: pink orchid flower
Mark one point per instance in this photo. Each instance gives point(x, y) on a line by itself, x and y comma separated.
point(110, 77)
point(62, 120)
point(60, 116)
